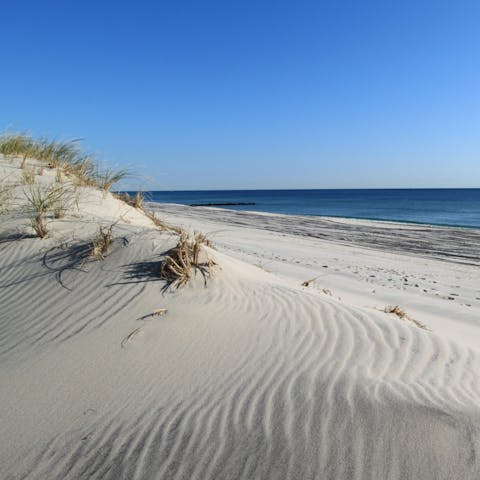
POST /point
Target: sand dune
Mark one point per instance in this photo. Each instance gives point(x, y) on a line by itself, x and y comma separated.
point(252, 376)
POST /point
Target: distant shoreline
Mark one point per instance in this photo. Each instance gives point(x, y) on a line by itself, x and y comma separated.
point(325, 217)
point(227, 204)
point(458, 208)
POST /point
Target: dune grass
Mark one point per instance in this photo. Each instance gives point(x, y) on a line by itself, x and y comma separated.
point(5, 196)
point(28, 175)
point(137, 201)
point(57, 153)
point(83, 169)
point(65, 155)
point(183, 261)
point(106, 179)
point(59, 207)
point(42, 201)
point(158, 222)
point(16, 145)
point(101, 244)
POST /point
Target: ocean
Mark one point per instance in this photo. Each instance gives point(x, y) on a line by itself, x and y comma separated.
point(450, 207)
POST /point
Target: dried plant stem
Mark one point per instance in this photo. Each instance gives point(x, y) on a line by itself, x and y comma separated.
point(396, 310)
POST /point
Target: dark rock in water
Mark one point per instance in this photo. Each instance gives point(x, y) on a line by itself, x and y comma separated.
point(227, 204)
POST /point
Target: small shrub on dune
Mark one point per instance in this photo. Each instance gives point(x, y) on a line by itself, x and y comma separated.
point(42, 202)
point(101, 244)
point(184, 260)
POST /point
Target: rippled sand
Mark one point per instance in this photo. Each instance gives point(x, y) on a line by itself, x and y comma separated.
point(252, 376)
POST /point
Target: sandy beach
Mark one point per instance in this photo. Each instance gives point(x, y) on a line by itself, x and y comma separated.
point(282, 364)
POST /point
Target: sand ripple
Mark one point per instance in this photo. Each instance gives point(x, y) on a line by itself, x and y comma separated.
point(250, 379)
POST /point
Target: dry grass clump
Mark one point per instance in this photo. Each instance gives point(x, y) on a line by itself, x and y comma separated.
point(396, 310)
point(182, 261)
point(101, 244)
point(137, 201)
point(177, 230)
point(42, 202)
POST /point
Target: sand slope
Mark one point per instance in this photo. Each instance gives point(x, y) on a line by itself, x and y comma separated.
point(253, 376)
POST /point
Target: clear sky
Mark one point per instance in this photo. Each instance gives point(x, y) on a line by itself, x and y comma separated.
point(253, 94)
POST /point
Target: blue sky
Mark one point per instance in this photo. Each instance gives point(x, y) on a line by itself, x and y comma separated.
point(244, 94)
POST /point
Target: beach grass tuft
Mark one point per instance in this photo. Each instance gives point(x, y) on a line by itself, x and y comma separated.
point(107, 178)
point(16, 145)
point(137, 201)
point(184, 260)
point(5, 196)
point(42, 201)
point(101, 244)
point(28, 175)
point(57, 153)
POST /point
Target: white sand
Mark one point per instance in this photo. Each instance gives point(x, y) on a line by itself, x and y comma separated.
point(253, 376)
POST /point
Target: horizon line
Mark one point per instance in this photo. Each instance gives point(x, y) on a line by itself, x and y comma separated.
point(296, 189)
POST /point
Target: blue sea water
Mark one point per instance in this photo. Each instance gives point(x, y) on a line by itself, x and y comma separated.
point(454, 207)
